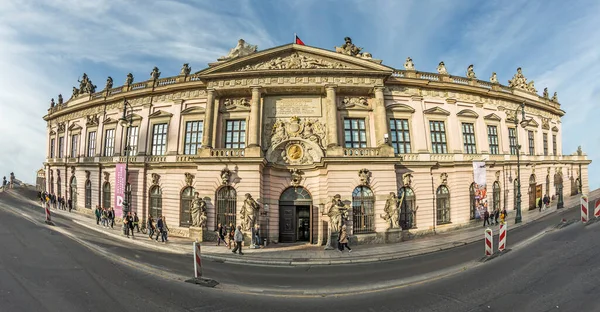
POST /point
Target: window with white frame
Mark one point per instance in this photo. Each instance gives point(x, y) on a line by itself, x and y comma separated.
point(109, 142)
point(531, 142)
point(438, 137)
point(193, 137)
point(74, 142)
point(493, 139)
point(235, 134)
point(355, 133)
point(512, 140)
point(400, 136)
point(132, 141)
point(159, 139)
point(468, 130)
point(61, 147)
point(91, 152)
point(52, 147)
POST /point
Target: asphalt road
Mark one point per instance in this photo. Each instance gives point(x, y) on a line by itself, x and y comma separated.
point(311, 278)
point(41, 270)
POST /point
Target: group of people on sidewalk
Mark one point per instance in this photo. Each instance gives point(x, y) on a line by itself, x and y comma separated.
point(492, 218)
point(106, 216)
point(233, 237)
point(56, 202)
point(131, 223)
point(544, 202)
point(159, 228)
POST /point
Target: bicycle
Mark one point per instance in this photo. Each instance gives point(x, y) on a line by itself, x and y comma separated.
point(143, 229)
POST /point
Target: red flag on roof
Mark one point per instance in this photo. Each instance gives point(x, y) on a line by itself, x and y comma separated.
point(298, 41)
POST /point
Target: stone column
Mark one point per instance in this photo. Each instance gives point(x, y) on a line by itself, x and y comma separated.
point(254, 126)
point(381, 124)
point(208, 119)
point(332, 117)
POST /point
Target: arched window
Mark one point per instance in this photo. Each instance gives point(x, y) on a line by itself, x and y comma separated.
point(363, 212)
point(496, 195)
point(155, 202)
point(442, 201)
point(106, 195)
point(88, 194)
point(73, 191)
point(408, 213)
point(532, 203)
point(185, 218)
point(473, 201)
point(226, 206)
point(58, 186)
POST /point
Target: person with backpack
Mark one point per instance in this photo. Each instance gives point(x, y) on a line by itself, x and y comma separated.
point(136, 222)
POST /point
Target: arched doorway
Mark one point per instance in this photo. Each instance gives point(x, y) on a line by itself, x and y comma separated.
point(496, 195)
point(88, 194)
point(185, 200)
point(442, 199)
point(296, 216)
point(73, 192)
point(532, 192)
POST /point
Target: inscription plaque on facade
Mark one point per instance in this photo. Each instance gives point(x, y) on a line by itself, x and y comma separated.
point(294, 106)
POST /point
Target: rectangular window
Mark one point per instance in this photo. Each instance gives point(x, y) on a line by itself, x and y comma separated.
point(554, 144)
point(400, 136)
point(235, 135)
point(109, 142)
point(74, 142)
point(355, 133)
point(531, 143)
point(545, 136)
point(493, 139)
point(91, 152)
point(159, 139)
point(512, 140)
point(132, 141)
point(52, 148)
point(61, 145)
point(438, 137)
point(469, 138)
point(193, 137)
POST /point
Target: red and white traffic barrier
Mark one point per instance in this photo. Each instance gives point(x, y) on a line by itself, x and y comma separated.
point(502, 237)
point(584, 208)
point(197, 260)
point(489, 242)
point(597, 208)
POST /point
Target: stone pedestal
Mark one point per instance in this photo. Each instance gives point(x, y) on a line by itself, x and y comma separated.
point(332, 241)
point(197, 233)
point(393, 236)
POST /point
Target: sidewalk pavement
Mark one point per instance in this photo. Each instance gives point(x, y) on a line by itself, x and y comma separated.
point(308, 254)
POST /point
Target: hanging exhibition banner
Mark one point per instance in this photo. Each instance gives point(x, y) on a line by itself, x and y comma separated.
point(119, 189)
point(479, 177)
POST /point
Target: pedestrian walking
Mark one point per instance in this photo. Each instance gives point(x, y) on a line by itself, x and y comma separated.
point(238, 238)
point(161, 229)
point(343, 240)
point(496, 215)
point(131, 225)
point(98, 214)
point(256, 235)
point(150, 226)
point(220, 235)
point(136, 222)
point(540, 205)
point(486, 218)
point(165, 228)
point(230, 235)
point(546, 201)
point(111, 217)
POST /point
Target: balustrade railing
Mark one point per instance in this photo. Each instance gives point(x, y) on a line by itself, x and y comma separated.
point(460, 80)
point(167, 81)
point(106, 159)
point(115, 91)
point(429, 76)
point(184, 158)
point(361, 152)
point(227, 152)
point(156, 158)
point(137, 86)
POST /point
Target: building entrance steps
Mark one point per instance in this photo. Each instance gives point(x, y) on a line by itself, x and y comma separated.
point(307, 254)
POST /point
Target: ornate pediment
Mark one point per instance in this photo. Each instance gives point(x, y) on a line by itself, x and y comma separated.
point(193, 110)
point(555, 129)
point(399, 107)
point(160, 113)
point(492, 116)
point(532, 123)
point(74, 127)
point(238, 104)
point(357, 102)
point(467, 113)
point(296, 141)
point(292, 57)
point(436, 111)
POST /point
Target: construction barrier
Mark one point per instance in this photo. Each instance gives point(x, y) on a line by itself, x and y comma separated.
point(502, 237)
point(584, 209)
point(489, 242)
point(597, 208)
point(197, 260)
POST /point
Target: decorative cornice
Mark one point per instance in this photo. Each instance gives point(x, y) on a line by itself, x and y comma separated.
point(193, 110)
point(492, 116)
point(399, 107)
point(160, 113)
point(467, 113)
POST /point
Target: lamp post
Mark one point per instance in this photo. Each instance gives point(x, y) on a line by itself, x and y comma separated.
point(126, 122)
point(523, 122)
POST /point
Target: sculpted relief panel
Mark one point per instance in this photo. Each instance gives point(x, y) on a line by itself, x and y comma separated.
point(294, 132)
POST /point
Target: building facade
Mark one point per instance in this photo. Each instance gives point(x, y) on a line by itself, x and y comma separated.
point(293, 126)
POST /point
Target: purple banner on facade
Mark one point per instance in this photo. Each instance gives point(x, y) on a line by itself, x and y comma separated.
point(480, 177)
point(119, 189)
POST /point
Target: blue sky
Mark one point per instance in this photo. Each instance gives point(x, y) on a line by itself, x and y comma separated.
point(46, 45)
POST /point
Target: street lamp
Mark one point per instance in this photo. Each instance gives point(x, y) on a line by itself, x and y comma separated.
point(126, 122)
point(518, 180)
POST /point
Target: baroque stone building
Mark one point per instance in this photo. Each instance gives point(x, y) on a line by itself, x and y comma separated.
point(271, 137)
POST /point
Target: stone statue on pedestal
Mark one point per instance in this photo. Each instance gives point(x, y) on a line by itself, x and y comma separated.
point(249, 212)
point(198, 211)
point(241, 49)
point(391, 215)
point(337, 212)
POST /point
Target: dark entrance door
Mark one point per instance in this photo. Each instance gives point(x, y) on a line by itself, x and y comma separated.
point(295, 215)
point(303, 223)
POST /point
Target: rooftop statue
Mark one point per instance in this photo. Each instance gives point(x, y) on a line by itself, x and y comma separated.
point(85, 85)
point(520, 82)
point(409, 65)
point(109, 83)
point(60, 99)
point(52, 103)
point(471, 72)
point(546, 95)
point(129, 79)
point(554, 97)
point(494, 78)
point(349, 48)
point(155, 74)
point(241, 49)
point(441, 69)
point(185, 70)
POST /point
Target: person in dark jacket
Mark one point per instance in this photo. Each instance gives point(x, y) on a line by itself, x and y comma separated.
point(136, 222)
point(486, 218)
point(160, 225)
point(540, 204)
point(130, 223)
point(98, 214)
point(220, 235)
point(150, 225)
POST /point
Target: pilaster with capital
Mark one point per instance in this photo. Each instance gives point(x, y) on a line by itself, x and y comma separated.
point(254, 122)
point(209, 119)
point(332, 118)
point(381, 123)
